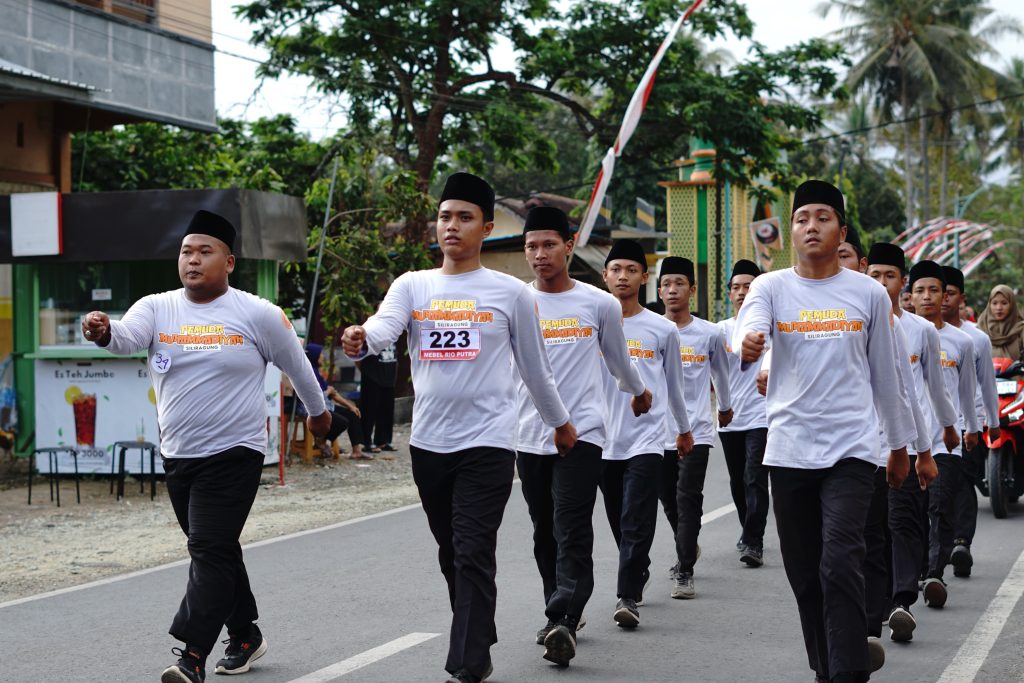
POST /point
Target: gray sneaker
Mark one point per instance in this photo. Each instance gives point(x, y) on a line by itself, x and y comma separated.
point(876, 654)
point(560, 645)
point(683, 587)
point(902, 624)
point(626, 613)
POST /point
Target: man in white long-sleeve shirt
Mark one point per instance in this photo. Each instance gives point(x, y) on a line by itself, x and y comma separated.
point(632, 467)
point(898, 558)
point(702, 352)
point(928, 289)
point(208, 334)
point(833, 357)
point(466, 325)
point(744, 438)
point(580, 324)
point(986, 407)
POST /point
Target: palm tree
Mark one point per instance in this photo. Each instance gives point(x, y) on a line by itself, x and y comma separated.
point(1010, 85)
point(914, 54)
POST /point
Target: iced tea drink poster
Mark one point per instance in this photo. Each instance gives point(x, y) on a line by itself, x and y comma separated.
point(90, 404)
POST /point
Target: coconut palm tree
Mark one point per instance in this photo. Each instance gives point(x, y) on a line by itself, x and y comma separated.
point(1010, 86)
point(915, 55)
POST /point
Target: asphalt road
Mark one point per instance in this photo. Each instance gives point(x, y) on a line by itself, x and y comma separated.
point(364, 601)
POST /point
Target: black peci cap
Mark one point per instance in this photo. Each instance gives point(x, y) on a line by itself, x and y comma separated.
point(954, 276)
point(627, 249)
point(676, 265)
point(820, 192)
point(472, 189)
point(208, 223)
point(926, 269)
point(548, 218)
point(887, 254)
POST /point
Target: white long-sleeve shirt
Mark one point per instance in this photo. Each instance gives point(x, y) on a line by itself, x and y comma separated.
point(653, 346)
point(834, 357)
point(986, 402)
point(465, 331)
point(926, 361)
point(748, 405)
point(208, 363)
point(922, 425)
point(579, 326)
point(702, 352)
point(957, 360)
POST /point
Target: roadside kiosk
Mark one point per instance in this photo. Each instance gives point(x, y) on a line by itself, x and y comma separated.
point(110, 249)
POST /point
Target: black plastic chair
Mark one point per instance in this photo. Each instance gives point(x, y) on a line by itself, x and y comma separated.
point(53, 453)
point(122, 447)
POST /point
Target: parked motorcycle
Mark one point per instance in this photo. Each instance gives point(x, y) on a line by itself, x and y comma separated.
point(1004, 455)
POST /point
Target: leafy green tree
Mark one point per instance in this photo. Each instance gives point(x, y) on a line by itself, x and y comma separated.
point(423, 77)
point(1011, 141)
point(363, 249)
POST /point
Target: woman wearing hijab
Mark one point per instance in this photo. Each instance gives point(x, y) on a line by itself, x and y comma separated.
point(1002, 322)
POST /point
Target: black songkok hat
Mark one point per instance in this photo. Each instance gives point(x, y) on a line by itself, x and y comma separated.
point(472, 189)
point(923, 269)
point(745, 267)
point(853, 239)
point(820, 192)
point(887, 254)
point(627, 249)
point(954, 276)
point(208, 223)
point(548, 218)
point(676, 265)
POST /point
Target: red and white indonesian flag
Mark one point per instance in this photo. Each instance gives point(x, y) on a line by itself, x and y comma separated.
point(629, 123)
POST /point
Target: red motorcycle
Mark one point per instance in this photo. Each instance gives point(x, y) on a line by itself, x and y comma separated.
point(1004, 455)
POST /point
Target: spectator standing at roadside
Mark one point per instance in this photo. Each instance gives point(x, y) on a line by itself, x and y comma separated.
point(1002, 323)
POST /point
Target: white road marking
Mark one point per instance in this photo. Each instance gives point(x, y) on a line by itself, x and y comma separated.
point(346, 666)
point(974, 651)
point(709, 517)
point(179, 563)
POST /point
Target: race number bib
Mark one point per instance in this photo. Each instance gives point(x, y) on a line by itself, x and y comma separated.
point(160, 362)
point(450, 344)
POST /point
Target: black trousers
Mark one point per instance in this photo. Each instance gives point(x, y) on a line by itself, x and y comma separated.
point(377, 405)
point(464, 495)
point(630, 490)
point(748, 481)
point(211, 498)
point(941, 499)
point(877, 595)
point(966, 503)
point(667, 488)
point(560, 493)
point(908, 516)
point(820, 515)
point(690, 503)
point(352, 425)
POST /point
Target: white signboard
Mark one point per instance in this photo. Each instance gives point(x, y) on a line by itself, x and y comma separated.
point(89, 405)
point(35, 224)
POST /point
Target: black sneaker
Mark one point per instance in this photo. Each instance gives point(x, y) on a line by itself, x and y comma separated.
point(463, 676)
point(935, 594)
point(560, 644)
point(191, 667)
point(902, 624)
point(543, 633)
point(751, 556)
point(961, 559)
point(626, 613)
point(673, 571)
point(241, 652)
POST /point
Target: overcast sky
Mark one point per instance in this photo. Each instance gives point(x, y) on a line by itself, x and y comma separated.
point(236, 81)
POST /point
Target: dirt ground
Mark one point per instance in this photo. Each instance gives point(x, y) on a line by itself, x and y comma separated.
point(43, 547)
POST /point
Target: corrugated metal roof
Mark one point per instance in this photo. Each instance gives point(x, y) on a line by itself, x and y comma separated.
point(19, 70)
